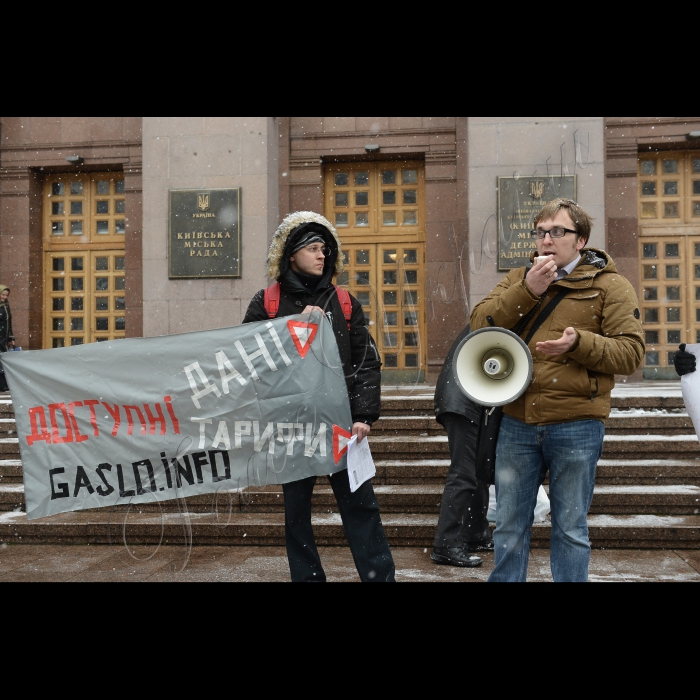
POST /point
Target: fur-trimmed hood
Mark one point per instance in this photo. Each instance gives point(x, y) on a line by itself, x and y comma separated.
point(275, 267)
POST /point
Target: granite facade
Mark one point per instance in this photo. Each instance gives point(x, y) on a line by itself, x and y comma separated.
point(279, 163)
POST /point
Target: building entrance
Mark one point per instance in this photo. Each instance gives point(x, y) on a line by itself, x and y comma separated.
point(379, 211)
point(84, 284)
point(669, 214)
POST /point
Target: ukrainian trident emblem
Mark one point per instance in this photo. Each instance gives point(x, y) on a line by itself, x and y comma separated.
point(537, 190)
point(203, 201)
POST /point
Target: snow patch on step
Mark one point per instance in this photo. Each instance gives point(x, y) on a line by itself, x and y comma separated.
point(12, 517)
point(418, 463)
point(648, 521)
point(662, 390)
point(650, 490)
point(12, 488)
point(651, 438)
point(442, 439)
point(651, 463)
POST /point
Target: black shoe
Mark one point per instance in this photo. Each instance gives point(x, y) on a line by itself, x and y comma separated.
point(455, 556)
point(476, 547)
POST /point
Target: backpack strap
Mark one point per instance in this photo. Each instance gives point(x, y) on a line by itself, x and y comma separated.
point(273, 295)
point(345, 304)
point(272, 300)
point(546, 313)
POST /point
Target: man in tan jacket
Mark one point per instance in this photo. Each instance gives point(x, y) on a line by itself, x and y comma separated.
point(591, 332)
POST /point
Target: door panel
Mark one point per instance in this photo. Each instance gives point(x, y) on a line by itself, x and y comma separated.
point(84, 261)
point(379, 212)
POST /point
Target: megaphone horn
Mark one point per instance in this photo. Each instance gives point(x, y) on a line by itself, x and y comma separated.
point(493, 367)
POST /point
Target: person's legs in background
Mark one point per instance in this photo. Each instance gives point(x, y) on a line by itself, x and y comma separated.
point(461, 484)
point(476, 531)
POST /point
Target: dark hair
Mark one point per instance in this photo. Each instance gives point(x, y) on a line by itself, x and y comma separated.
point(584, 223)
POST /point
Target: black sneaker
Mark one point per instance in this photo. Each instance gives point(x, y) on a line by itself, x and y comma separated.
point(477, 547)
point(455, 556)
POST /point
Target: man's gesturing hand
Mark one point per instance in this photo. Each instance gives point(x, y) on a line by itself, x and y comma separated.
point(553, 348)
point(362, 430)
point(540, 278)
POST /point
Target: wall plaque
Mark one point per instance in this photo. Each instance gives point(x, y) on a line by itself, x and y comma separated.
point(519, 201)
point(205, 234)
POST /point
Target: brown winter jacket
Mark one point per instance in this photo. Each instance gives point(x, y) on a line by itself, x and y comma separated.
point(603, 307)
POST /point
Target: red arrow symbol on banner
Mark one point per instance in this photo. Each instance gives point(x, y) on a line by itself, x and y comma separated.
point(341, 438)
point(303, 335)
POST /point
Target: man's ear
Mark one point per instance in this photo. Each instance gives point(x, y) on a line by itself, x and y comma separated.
point(581, 244)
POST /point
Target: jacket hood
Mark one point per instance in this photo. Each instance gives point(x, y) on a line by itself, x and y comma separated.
point(290, 228)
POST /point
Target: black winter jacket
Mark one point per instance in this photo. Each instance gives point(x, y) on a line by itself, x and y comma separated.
point(5, 326)
point(358, 351)
point(449, 398)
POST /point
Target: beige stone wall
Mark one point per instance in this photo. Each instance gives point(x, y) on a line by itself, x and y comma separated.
point(504, 146)
point(202, 152)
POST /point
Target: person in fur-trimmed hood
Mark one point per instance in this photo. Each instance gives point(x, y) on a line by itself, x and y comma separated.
point(304, 257)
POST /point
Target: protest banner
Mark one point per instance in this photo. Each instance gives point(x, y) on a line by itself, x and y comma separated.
point(140, 420)
point(690, 386)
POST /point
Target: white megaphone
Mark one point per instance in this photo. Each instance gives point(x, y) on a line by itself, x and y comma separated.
point(493, 367)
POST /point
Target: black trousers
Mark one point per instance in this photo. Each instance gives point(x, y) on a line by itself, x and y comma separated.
point(465, 502)
point(3, 380)
point(363, 528)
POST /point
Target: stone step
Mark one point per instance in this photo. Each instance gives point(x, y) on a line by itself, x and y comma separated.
point(631, 446)
point(243, 529)
point(7, 410)
point(649, 423)
point(611, 472)
point(647, 472)
point(8, 428)
point(408, 499)
point(407, 425)
point(9, 447)
point(620, 423)
point(11, 471)
point(397, 406)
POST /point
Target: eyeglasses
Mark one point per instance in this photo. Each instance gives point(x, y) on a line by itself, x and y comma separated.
point(554, 233)
point(315, 249)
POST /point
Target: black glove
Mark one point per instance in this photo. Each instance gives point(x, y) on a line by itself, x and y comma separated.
point(684, 362)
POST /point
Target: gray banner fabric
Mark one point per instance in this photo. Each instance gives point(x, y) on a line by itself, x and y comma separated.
point(140, 420)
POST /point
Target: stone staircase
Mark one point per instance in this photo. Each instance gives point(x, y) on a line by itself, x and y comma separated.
point(647, 494)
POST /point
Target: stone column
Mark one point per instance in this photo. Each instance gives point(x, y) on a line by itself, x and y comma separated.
point(21, 250)
point(133, 186)
point(200, 153)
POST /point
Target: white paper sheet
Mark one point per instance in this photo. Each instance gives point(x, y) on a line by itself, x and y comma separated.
point(691, 390)
point(361, 466)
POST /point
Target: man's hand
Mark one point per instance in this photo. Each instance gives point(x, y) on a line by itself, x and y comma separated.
point(312, 309)
point(685, 362)
point(552, 348)
point(540, 278)
point(11, 344)
point(362, 430)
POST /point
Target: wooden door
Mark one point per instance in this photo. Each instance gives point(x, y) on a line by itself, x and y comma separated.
point(84, 262)
point(379, 212)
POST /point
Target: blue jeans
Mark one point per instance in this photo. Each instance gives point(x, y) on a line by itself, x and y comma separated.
point(570, 452)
